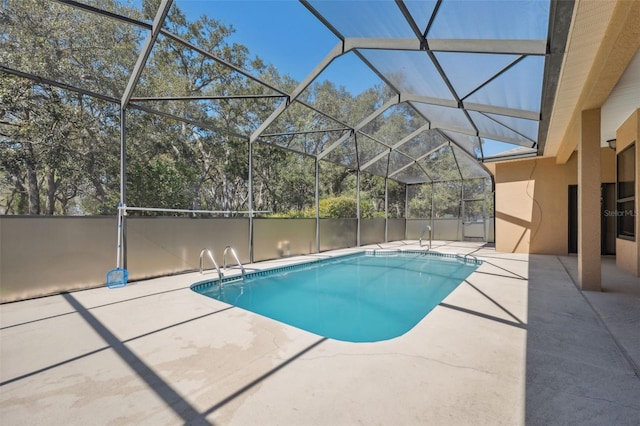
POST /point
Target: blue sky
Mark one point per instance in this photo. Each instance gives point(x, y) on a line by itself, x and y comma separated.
point(285, 34)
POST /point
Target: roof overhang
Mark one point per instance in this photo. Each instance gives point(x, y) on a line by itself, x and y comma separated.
point(603, 39)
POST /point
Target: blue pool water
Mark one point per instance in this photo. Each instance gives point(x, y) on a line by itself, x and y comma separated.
point(355, 298)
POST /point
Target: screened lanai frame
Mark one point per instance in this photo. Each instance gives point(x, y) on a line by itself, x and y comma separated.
point(403, 35)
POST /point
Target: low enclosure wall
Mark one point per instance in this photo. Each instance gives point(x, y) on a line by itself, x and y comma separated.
point(450, 229)
point(274, 238)
point(44, 255)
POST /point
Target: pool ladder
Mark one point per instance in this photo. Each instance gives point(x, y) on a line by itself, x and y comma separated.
point(428, 228)
point(227, 249)
point(208, 252)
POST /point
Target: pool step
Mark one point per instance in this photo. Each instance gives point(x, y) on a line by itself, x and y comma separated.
point(230, 280)
point(383, 252)
point(466, 258)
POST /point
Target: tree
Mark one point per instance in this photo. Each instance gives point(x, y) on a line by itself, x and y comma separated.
point(53, 143)
point(40, 146)
point(217, 160)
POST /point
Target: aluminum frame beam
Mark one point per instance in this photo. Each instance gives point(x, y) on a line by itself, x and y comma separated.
point(467, 153)
point(186, 120)
point(284, 148)
point(374, 139)
point(472, 157)
point(93, 9)
point(350, 44)
point(337, 51)
point(406, 139)
point(510, 128)
point(170, 35)
point(507, 47)
point(305, 132)
point(377, 158)
point(509, 112)
point(410, 97)
point(221, 61)
point(60, 85)
point(158, 21)
point(200, 98)
point(492, 46)
point(324, 114)
point(359, 126)
point(493, 77)
point(116, 101)
point(422, 157)
point(161, 14)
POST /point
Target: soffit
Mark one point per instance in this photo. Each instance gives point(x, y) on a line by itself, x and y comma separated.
point(603, 39)
point(623, 100)
point(588, 27)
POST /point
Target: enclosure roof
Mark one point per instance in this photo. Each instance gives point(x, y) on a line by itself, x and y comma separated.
point(472, 81)
point(480, 71)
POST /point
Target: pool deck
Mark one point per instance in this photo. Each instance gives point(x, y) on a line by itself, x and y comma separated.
point(515, 343)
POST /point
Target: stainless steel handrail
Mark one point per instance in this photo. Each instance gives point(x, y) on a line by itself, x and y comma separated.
point(471, 256)
point(428, 228)
point(467, 256)
point(206, 250)
point(235, 255)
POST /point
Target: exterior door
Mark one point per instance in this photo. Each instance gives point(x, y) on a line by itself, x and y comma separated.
point(607, 214)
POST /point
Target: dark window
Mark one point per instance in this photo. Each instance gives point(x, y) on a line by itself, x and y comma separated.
point(627, 193)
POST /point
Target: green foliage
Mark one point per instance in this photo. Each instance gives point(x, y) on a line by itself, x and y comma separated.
point(338, 207)
point(283, 181)
point(292, 214)
point(344, 207)
point(335, 208)
point(420, 202)
point(161, 184)
point(447, 199)
point(59, 149)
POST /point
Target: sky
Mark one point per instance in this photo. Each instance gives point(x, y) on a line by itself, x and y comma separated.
point(285, 34)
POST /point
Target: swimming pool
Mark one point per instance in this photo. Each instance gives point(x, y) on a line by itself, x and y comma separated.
point(365, 297)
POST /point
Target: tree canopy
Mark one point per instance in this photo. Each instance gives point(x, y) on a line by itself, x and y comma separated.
point(59, 149)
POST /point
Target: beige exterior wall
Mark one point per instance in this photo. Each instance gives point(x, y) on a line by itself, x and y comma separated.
point(627, 252)
point(532, 202)
point(627, 255)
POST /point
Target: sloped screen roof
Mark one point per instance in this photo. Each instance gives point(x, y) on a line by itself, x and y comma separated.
point(466, 81)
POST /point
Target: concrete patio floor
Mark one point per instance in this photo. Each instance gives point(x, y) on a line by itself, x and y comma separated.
point(516, 343)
